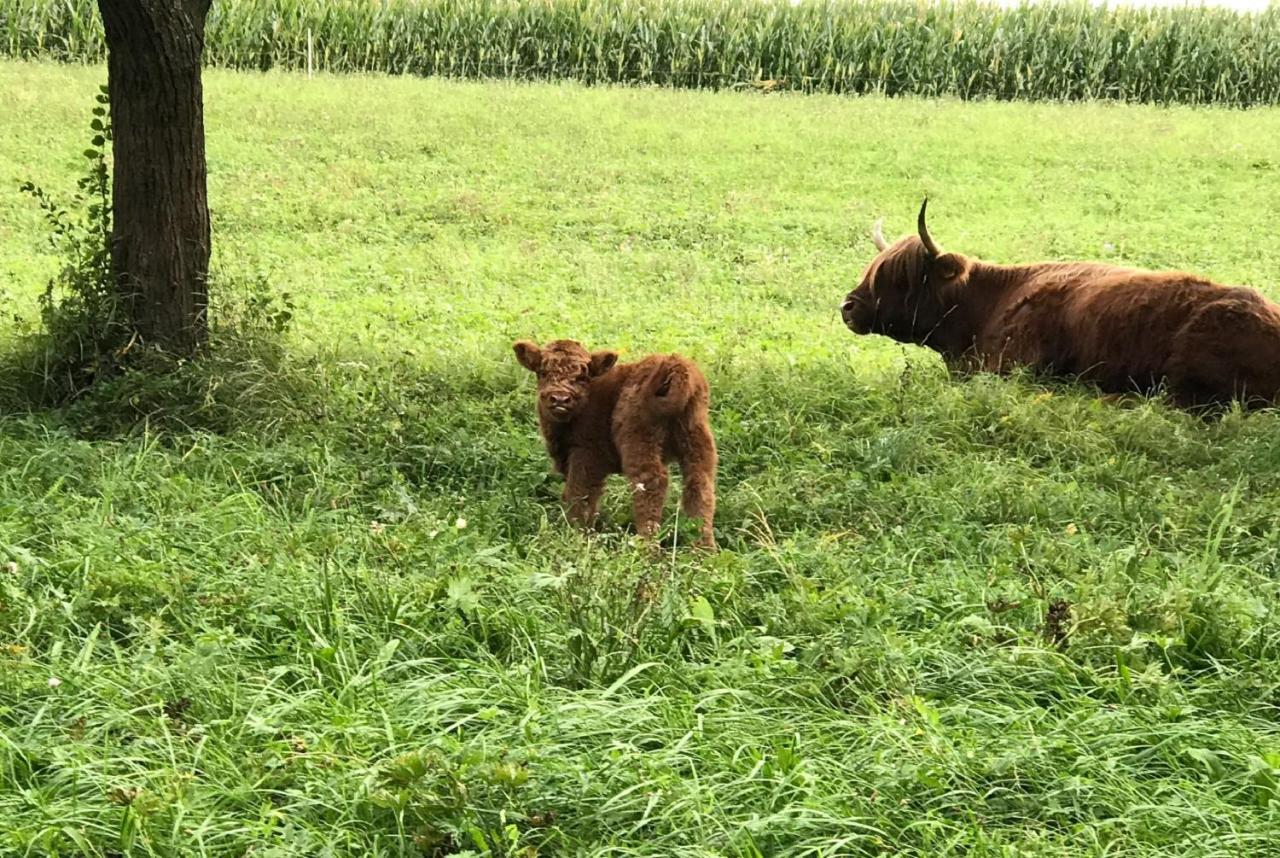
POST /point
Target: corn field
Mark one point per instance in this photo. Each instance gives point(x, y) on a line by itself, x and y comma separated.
point(965, 49)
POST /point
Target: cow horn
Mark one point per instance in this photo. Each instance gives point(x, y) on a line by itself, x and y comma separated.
point(929, 247)
point(877, 234)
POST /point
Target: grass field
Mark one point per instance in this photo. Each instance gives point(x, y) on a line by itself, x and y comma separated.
point(325, 603)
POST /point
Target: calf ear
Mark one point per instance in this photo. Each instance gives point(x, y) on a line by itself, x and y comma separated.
point(529, 355)
point(602, 362)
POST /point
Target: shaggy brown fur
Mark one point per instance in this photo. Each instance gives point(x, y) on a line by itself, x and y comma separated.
point(1122, 328)
point(599, 417)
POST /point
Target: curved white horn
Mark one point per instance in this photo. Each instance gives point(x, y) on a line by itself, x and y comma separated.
point(877, 234)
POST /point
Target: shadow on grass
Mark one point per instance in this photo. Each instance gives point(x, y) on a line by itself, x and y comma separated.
point(814, 444)
point(245, 380)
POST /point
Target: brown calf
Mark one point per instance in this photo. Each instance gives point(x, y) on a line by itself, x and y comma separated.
point(1122, 328)
point(599, 417)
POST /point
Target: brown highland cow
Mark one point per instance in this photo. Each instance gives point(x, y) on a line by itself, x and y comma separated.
point(1124, 329)
point(599, 417)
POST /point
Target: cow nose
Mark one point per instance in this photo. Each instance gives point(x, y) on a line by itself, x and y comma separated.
point(559, 399)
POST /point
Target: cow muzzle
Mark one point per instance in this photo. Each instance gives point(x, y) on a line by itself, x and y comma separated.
point(561, 407)
point(856, 314)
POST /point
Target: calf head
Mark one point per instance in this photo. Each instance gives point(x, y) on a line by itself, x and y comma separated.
point(565, 370)
point(909, 290)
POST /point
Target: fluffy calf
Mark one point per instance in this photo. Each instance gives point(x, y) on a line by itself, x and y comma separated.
point(1122, 328)
point(599, 417)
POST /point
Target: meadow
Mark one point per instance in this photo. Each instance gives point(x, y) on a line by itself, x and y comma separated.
point(317, 598)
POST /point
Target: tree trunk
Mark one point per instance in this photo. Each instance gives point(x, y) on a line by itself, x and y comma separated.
point(160, 249)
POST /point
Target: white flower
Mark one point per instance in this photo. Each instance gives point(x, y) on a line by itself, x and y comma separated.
point(376, 527)
point(460, 523)
point(54, 682)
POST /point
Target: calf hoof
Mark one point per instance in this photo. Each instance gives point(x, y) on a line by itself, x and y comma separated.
point(647, 544)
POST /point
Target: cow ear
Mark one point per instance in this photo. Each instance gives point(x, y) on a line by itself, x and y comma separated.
point(602, 362)
point(529, 355)
point(948, 268)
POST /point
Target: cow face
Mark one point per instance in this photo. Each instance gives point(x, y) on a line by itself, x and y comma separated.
point(565, 370)
point(908, 291)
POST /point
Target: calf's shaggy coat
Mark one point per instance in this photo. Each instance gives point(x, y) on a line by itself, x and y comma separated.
point(1122, 328)
point(599, 417)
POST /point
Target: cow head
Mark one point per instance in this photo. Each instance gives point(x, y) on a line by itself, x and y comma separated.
point(908, 290)
point(565, 370)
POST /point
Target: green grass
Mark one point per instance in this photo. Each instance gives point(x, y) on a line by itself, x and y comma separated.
point(1055, 50)
point(274, 638)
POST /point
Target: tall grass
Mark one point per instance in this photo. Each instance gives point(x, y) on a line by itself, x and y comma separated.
point(965, 49)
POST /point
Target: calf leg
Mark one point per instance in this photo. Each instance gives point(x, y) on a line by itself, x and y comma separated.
point(698, 468)
point(583, 486)
point(644, 469)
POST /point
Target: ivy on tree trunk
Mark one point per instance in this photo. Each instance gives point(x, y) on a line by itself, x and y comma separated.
point(160, 245)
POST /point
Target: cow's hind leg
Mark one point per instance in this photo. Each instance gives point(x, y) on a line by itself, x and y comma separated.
point(698, 469)
point(644, 469)
point(1199, 398)
point(1225, 353)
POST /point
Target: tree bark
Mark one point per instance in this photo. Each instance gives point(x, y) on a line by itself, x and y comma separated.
point(160, 247)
